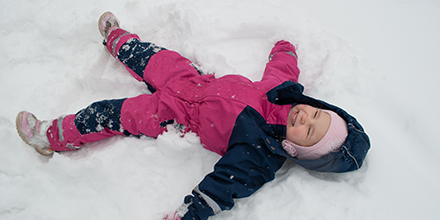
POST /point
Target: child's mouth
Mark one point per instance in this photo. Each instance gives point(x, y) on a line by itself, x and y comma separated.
point(294, 118)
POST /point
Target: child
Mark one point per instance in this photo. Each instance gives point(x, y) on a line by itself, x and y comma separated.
point(255, 126)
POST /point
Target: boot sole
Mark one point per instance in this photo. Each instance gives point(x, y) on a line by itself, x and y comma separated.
point(100, 22)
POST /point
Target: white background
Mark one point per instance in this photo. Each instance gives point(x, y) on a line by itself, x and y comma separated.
point(377, 59)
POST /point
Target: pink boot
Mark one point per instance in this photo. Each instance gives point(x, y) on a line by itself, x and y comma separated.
point(33, 132)
point(107, 23)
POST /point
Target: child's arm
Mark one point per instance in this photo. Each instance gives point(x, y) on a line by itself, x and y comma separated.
point(283, 64)
point(238, 174)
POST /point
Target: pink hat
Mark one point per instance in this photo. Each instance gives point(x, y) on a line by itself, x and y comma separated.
point(331, 142)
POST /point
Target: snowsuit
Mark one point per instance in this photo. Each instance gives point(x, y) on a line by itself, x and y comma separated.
point(243, 121)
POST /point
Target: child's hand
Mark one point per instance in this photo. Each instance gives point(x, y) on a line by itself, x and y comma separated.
point(172, 216)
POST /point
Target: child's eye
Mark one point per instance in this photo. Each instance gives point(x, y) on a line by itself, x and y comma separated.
point(308, 131)
point(316, 114)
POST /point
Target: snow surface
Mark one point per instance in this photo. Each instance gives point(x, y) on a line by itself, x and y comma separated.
point(378, 59)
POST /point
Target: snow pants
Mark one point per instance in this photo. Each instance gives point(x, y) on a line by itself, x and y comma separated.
point(147, 62)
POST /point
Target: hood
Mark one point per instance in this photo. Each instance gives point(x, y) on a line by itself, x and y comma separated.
point(354, 150)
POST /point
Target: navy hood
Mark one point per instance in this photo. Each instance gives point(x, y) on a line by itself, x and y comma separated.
point(353, 151)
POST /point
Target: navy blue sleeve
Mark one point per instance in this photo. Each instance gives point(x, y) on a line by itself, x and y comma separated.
point(239, 173)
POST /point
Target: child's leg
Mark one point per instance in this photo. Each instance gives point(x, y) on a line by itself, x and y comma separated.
point(105, 119)
point(98, 121)
point(146, 61)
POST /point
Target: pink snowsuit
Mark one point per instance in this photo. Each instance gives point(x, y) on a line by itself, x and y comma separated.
point(203, 104)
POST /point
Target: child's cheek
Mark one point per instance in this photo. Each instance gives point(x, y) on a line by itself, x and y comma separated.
point(292, 134)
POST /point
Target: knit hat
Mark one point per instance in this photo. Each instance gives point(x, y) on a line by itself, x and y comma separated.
point(331, 142)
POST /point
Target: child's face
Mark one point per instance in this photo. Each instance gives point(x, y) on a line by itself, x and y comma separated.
point(306, 125)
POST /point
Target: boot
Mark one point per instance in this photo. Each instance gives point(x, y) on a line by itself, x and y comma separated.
point(33, 132)
point(107, 23)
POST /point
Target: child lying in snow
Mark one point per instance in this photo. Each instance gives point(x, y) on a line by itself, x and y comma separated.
point(255, 126)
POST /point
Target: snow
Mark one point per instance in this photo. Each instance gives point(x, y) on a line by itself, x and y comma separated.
point(377, 59)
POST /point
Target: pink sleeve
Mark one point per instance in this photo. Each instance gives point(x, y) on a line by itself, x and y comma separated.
point(283, 64)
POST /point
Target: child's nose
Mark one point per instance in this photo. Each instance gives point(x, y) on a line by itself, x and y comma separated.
point(304, 119)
